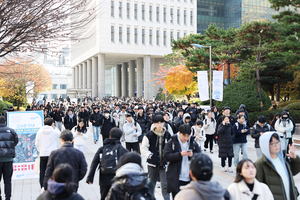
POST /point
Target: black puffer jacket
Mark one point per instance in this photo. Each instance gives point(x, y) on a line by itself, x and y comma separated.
point(144, 122)
point(107, 125)
point(96, 117)
point(8, 140)
point(129, 178)
point(226, 135)
point(69, 122)
point(257, 129)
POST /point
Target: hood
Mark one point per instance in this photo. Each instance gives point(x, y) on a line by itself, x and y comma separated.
point(71, 116)
point(111, 141)
point(184, 116)
point(256, 123)
point(131, 122)
point(207, 190)
point(242, 106)
point(55, 188)
point(153, 129)
point(47, 129)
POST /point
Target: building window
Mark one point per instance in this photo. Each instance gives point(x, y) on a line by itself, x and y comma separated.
point(112, 9)
point(112, 33)
point(120, 9)
point(143, 12)
point(54, 96)
point(135, 11)
point(63, 86)
point(184, 34)
point(150, 36)
point(191, 18)
point(171, 35)
point(120, 34)
point(55, 86)
point(178, 35)
point(128, 10)
point(184, 17)
point(135, 35)
point(150, 13)
point(143, 36)
point(178, 16)
point(191, 1)
point(157, 14)
point(171, 15)
point(63, 96)
point(165, 14)
point(165, 38)
point(128, 35)
point(157, 37)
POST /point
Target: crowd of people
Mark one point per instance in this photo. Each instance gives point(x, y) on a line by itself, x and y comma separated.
point(175, 137)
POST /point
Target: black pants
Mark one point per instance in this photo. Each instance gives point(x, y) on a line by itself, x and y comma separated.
point(210, 140)
point(104, 137)
point(135, 146)
point(104, 189)
point(181, 183)
point(6, 170)
point(43, 165)
point(223, 159)
point(215, 139)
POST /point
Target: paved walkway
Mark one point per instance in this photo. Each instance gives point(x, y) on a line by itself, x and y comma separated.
point(30, 190)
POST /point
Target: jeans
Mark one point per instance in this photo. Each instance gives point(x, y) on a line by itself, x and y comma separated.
point(58, 125)
point(96, 132)
point(223, 159)
point(153, 173)
point(135, 146)
point(6, 170)
point(236, 150)
point(43, 166)
point(209, 139)
point(258, 152)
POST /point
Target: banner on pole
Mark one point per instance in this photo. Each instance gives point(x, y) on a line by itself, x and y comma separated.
point(26, 124)
point(203, 85)
point(218, 85)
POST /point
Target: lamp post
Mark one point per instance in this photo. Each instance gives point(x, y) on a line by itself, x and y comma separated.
point(210, 70)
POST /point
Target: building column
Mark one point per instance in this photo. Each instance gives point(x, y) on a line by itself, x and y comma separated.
point(139, 77)
point(94, 77)
point(131, 78)
point(101, 76)
point(80, 76)
point(84, 70)
point(89, 74)
point(118, 80)
point(76, 77)
point(124, 79)
point(147, 77)
point(73, 78)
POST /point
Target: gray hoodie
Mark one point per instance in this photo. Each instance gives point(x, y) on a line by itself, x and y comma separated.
point(201, 190)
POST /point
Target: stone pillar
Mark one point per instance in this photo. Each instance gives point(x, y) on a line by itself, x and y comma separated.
point(131, 79)
point(73, 78)
point(89, 74)
point(147, 77)
point(139, 77)
point(76, 77)
point(94, 77)
point(84, 71)
point(118, 80)
point(80, 76)
point(101, 76)
point(124, 79)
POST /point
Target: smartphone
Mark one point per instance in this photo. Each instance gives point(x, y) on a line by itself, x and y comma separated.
point(190, 150)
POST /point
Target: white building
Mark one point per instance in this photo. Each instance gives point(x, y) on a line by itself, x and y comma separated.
point(126, 44)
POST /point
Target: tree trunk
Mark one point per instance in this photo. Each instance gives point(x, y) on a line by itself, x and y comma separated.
point(272, 93)
point(258, 83)
point(228, 71)
point(278, 92)
point(188, 97)
point(18, 108)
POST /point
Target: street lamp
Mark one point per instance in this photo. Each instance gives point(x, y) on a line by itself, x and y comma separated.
point(210, 70)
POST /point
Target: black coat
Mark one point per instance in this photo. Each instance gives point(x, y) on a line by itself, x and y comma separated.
point(104, 179)
point(257, 129)
point(66, 154)
point(193, 113)
point(70, 123)
point(107, 125)
point(173, 156)
point(232, 121)
point(143, 121)
point(84, 115)
point(96, 117)
point(57, 116)
point(225, 141)
point(47, 196)
point(8, 141)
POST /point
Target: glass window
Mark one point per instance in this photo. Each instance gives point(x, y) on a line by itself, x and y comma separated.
point(178, 35)
point(120, 34)
point(165, 14)
point(150, 13)
point(135, 35)
point(171, 15)
point(171, 35)
point(184, 34)
point(63, 96)
point(54, 86)
point(128, 35)
point(150, 36)
point(112, 33)
point(165, 38)
point(120, 9)
point(63, 86)
point(54, 96)
point(135, 11)
point(178, 16)
point(157, 37)
point(184, 17)
point(112, 9)
point(157, 14)
point(128, 11)
point(191, 18)
point(143, 12)
point(143, 36)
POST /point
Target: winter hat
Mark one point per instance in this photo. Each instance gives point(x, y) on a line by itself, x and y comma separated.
point(201, 166)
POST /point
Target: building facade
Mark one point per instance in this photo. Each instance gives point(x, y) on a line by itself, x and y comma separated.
point(125, 46)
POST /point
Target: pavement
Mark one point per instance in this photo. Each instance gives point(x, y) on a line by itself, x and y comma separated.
point(29, 189)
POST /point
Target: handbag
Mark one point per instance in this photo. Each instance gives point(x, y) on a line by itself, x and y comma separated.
point(36, 168)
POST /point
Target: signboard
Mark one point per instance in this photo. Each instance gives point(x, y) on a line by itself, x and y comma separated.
point(218, 85)
point(26, 124)
point(203, 85)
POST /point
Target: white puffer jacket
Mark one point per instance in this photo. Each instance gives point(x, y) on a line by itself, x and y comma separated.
point(209, 126)
point(79, 139)
point(130, 132)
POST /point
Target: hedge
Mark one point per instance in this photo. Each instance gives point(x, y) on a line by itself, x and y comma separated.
point(286, 103)
point(293, 106)
point(4, 104)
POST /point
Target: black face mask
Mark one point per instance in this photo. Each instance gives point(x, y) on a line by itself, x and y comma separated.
point(284, 118)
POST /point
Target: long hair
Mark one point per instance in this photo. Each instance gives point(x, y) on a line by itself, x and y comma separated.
point(239, 177)
point(84, 126)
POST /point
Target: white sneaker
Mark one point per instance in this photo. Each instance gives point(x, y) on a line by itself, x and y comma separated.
point(158, 184)
point(229, 169)
point(224, 169)
point(216, 144)
point(42, 190)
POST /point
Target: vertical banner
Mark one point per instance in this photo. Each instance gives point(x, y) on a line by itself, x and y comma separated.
point(203, 85)
point(218, 85)
point(26, 124)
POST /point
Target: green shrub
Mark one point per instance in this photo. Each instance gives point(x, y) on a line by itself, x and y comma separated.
point(196, 100)
point(293, 106)
point(161, 95)
point(286, 103)
point(4, 104)
point(244, 93)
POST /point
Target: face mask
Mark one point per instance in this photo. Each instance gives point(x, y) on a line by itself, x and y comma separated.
point(106, 115)
point(284, 118)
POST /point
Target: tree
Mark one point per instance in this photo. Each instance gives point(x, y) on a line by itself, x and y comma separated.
point(179, 81)
point(17, 83)
point(28, 24)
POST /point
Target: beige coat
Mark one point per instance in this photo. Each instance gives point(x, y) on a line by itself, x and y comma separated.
point(240, 191)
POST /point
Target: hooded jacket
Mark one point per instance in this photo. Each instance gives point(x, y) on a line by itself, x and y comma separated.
point(183, 121)
point(47, 140)
point(70, 121)
point(267, 173)
point(242, 106)
point(79, 139)
point(8, 141)
point(284, 126)
point(129, 131)
point(129, 178)
point(257, 129)
point(201, 190)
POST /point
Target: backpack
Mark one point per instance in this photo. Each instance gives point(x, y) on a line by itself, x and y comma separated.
point(140, 138)
point(109, 160)
point(143, 194)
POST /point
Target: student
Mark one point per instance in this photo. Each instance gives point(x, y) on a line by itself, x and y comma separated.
point(132, 131)
point(209, 127)
point(95, 119)
point(105, 179)
point(284, 127)
point(199, 133)
point(246, 186)
point(80, 135)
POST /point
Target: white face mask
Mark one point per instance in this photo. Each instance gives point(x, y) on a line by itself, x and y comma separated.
point(106, 115)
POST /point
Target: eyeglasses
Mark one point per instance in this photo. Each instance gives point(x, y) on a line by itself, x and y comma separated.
point(274, 144)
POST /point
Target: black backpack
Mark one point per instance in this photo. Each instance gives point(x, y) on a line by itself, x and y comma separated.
point(143, 194)
point(140, 138)
point(109, 160)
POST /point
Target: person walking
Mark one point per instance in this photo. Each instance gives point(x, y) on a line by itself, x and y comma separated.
point(284, 127)
point(70, 120)
point(57, 115)
point(95, 119)
point(8, 142)
point(132, 131)
point(80, 135)
point(199, 133)
point(46, 141)
point(209, 127)
point(84, 114)
point(107, 123)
